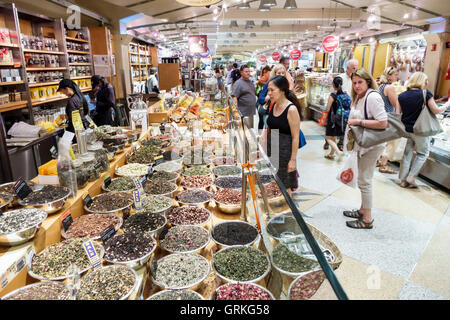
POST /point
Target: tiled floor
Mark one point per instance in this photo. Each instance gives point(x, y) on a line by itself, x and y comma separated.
point(409, 246)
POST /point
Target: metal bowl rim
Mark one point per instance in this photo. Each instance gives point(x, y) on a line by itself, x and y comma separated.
point(131, 262)
point(190, 251)
point(28, 228)
point(58, 283)
point(198, 224)
point(20, 201)
point(253, 284)
point(63, 233)
point(112, 211)
point(238, 221)
point(195, 203)
point(165, 290)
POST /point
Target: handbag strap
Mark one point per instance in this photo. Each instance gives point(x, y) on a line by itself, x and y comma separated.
point(365, 104)
point(424, 93)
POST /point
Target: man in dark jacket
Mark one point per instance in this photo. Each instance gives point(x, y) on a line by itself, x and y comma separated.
point(105, 101)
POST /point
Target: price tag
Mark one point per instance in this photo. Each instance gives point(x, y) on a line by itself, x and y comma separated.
point(22, 189)
point(108, 233)
point(127, 155)
point(87, 201)
point(165, 144)
point(137, 200)
point(54, 152)
point(76, 120)
point(107, 181)
point(66, 220)
point(135, 146)
point(158, 160)
point(68, 136)
point(150, 172)
point(138, 185)
point(92, 254)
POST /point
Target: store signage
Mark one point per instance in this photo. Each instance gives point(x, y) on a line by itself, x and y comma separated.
point(107, 181)
point(92, 254)
point(66, 220)
point(108, 233)
point(76, 120)
point(276, 56)
point(197, 44)
point(330, 44)
point(21, 188)
point(262, 59)
point(87, 201)
point(295, 54)
point(138, 184)
point(158, 160)
point(137, 200)
point(204, 55)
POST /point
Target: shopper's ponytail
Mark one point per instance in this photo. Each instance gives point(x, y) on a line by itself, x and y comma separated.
point(337, 82)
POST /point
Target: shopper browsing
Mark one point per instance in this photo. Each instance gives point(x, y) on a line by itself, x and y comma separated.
point(152, 82)
point(411, 102)
point(77, 102)
point(263, 79)
point(105, 101)
point(284, 124)
point(244, 95)
point(285, 62)
point(365, 96)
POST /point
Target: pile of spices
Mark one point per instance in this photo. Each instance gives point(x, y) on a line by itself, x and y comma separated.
point(180, 270)
point(265, 178)
point(184, 294)
point(241, 263)
point(229, 182)
point(272, 190)
point(188, 215)
point(184, 238)
point(194, 196)
point(47, 194)
point(169, 166)
point(145, 154)
point(111, 201)
point(42, 291)
point(197, 181)
point(20, 219)
point(165, 175)
point(224, 160)
point(91, 225)
point(156, 203)
point(159, 186)
point(228, 196)
point(132, 170)
point(111, 283)
point(56, 260)
point(143, 222)
point(128, 246)
point(234, 233)
point(171, 155)
point(305, 287)
point(241, 291)
point(122, 184)
point(9, 187)
point(226, 171)
point(197, 171)
point(290, 261)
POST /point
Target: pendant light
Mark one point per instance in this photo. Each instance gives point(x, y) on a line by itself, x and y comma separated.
point(290, 5)
point(244, 5)
point(262, 7)
point(270, 3)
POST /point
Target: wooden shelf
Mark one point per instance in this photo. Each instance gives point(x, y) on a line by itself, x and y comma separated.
point(11, 83)
point(86, 89)
point(78, 78)
point(79, 64)
point(77, 40)
point(43, 84)
point(9, 45)
point(136, 79)
point(47, 100)
point(6, 64)
point(47, 69)
point(78, 52)
point(43, 51)
point(13, 106)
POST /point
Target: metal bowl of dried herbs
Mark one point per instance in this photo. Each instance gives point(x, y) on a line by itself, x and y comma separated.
point(306, 285)
point(283, 224)
point(112, 202)
point(108, 283)
point(132, 170)
point(197, 171)
point(160, 187)
point(48, 290)
point(9, 188)
point(55, 262)
point(180, 271)
point(169, 166)
point(190, 215)
point(184, 239)
point(156, 204)
point(91, 225)
point(291, 263)
point(169, 176)
point(227, 170)
point(194, 196)
point(243, 264)
point(19, 226)
point(234, 232)
point(125, 184)
point(242, 291)
point(184, 294)
point(229, 201)
point(196, 182)
point(49, 199)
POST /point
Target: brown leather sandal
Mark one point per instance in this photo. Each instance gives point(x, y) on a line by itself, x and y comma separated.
point(359, 224)
point(353, 214)
point(386, 169)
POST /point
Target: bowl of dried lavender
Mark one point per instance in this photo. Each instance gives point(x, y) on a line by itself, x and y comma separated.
point(242, 291)
point(48, 290)
point(49, 199)
point(184, 294)
point(184, 239)
point(19, 226)
point(108, 283)
point(111, 202)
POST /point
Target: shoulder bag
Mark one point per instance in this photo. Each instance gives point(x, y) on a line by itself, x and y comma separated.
point(427, 124)
point(367, 138)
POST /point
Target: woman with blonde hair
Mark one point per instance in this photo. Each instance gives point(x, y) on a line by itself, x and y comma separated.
point(387, 91)
point(411, 102)
point(374, 116)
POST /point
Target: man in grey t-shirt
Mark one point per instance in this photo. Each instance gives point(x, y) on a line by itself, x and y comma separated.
point(244, 94)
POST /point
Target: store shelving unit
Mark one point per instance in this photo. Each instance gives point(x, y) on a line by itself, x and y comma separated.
point(142, 58)
point(85, 41)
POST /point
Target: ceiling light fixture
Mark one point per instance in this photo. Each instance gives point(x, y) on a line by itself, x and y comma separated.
point(269, 3)
point(244, 5)
point(290, 5)
point(406, 16)
point(262, 7)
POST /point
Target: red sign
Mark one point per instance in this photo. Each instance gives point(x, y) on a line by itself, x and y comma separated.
point(330, 44)
point(276, 56)
point(295, 54)
point(197, 44)
point(262, 59)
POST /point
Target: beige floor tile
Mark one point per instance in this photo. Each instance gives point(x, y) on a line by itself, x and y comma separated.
point(356, 277)
point(433, 269)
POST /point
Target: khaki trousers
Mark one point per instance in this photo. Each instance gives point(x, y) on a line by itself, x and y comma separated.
point(366, 167)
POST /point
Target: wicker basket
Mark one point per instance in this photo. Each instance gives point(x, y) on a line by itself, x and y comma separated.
point(326, 242)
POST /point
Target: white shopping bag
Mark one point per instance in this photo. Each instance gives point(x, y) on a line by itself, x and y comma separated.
point(348, 175)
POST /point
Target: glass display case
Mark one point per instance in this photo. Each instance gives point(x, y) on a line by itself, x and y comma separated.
point(318, 90)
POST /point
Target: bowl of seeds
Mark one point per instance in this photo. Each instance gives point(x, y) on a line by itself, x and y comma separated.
point(125, 184)
point(49, 199)
point(108, 283)
point(197, 182)
point(220, 161)
point(157, 186)
point(145, 222)
point(228, 182)
point(9, 188)
point(130, 249)
point(132, 170)
point(189, 215)
point(243, 264)
point(194, 196)
point(156, 203)
point(242, 291)
point(288, 260)
point(184, 239)
point(234, 233)
point(169, 166)
point(227, 170)
point(184, 294)
point(273, 193)
point(169, 176)
point(48, 290)
point(197, 171)
point(306, 285)
point(145, 155)
point(229, 201)
point(112, 202)
point(91, 226)
point(56, 261)
point(180, 271)
point(19, 226)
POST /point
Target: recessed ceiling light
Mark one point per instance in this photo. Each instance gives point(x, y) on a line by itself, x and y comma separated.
point(406, 16)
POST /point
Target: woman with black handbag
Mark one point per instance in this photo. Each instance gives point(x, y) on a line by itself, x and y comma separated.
point(412, 102)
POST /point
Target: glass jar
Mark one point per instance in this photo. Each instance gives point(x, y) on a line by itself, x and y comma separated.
point(100, 154)
point(82, 173)
point(90, 164)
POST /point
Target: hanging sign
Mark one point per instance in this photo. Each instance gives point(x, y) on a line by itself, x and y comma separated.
point(276, 56)
point(330, 44)
point(197, 44)
point(295, 54)
point(204, 55)
point(262, 59)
